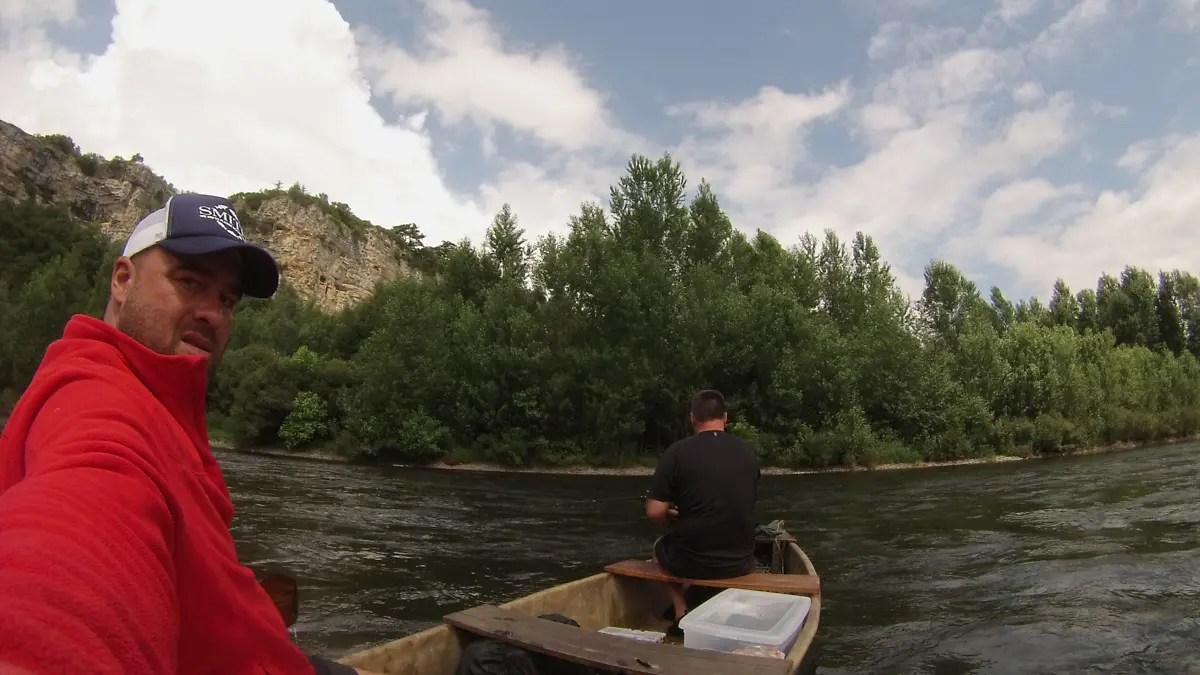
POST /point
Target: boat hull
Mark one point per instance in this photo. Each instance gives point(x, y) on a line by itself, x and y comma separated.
point(594, 602)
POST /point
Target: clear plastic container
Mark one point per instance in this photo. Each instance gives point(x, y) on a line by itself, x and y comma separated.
point(737, 618)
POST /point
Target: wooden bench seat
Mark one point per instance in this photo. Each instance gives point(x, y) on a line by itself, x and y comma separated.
point(791, 584)
point(610, 653)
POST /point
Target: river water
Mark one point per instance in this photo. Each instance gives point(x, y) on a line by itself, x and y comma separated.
point(1079, 565)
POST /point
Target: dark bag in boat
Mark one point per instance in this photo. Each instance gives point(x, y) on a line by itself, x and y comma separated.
point(490, 657)
point(559, 618)
point(547, 665)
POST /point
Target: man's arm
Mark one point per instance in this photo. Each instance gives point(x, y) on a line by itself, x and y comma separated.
point(86, 541)
point(659, 512)
point(658, 503)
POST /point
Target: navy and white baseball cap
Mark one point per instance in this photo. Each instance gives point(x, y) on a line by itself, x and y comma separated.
point(195, 224)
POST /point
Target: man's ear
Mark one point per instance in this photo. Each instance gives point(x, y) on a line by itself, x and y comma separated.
point(121, 283)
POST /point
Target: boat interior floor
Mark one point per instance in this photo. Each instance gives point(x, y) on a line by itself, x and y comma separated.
point(694, 597)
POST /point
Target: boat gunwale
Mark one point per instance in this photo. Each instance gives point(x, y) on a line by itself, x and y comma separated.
point(808, 632)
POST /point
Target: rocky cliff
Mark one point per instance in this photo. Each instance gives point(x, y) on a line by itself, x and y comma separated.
point(114, 193)
point(325, 252)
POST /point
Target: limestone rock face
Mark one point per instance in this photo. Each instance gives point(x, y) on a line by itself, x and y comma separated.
point(114, 193)
point(321, 256)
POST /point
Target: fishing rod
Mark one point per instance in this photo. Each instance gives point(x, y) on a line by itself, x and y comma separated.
point(616, 499)
point(602, 500)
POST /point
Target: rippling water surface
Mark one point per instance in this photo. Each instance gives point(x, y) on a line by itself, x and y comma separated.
point(1081, 565)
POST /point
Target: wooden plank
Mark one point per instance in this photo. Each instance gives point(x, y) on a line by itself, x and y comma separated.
point(610, 653)
point(792, 584)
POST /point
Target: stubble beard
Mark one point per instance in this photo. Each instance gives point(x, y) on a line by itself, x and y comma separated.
point(135, 319)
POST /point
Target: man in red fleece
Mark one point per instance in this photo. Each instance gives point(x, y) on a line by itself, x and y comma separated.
point(115, 550)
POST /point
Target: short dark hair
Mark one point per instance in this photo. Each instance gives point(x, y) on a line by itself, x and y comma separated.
point(708, 405)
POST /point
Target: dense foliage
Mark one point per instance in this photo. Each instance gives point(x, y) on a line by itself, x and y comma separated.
point(584, 347)
point(51, 266)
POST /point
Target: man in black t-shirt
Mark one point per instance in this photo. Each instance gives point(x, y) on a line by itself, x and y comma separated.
point(711, 478)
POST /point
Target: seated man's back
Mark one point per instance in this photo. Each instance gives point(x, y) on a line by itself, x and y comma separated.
point(712, 478)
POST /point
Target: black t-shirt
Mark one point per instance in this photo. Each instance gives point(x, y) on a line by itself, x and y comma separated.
point(712, 478)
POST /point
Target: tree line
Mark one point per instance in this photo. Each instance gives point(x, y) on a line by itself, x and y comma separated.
point(583, 347)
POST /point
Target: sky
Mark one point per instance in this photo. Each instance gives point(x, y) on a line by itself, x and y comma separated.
point(1021, 140)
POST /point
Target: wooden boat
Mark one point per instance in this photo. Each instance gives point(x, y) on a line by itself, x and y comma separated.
point(628, 595)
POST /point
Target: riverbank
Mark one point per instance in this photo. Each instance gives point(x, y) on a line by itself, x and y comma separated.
point(484, 467)
point(309, 455)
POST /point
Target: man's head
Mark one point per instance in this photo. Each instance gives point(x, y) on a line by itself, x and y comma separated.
point(182, 272)
point(708, 411)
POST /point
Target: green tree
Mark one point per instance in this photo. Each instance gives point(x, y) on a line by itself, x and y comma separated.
point(306, 423)
point(1064, 307)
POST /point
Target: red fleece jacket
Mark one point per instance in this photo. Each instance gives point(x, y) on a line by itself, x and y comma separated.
point(115, 550)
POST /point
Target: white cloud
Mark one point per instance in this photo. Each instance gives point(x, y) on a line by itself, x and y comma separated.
point(886, 40)
point(1109, 110)
point(1183, 14)
point(763, 137)
point(1137, 156)
point(1012, 11)
point(544, 197)
point(956, 78)
point(1152, 225)
point(1014, 201)
point(883, 120)
point(914, 41)
point(925, 180)
point(1027, 93)
point(290, 104)
point(15, 14)
point(930, 156)
point(467, 73)
point(293, 104)
point(1140, 155)
point(950, 173)
point(1067, 31)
